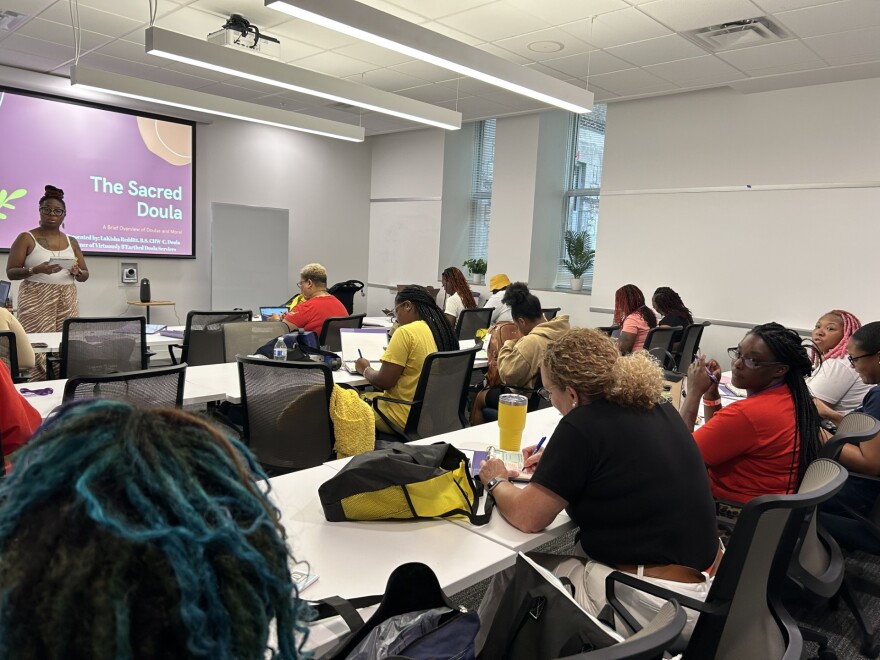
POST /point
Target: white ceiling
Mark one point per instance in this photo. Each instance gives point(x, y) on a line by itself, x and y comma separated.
point(620, 49)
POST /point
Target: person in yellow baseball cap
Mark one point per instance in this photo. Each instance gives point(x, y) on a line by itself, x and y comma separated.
point(497, 284)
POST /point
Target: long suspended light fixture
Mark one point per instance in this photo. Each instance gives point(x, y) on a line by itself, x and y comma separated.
point(182, 48)
point(147, 90)
point(378, 27)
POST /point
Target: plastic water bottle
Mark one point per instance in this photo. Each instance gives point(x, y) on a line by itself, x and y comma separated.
point(280, 350)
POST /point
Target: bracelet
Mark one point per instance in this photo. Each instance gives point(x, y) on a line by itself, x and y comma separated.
point(712, 404)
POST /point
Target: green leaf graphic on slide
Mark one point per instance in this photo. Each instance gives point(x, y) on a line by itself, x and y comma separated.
point(5, 198)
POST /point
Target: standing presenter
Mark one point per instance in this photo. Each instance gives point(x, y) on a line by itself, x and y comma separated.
point(49, 262)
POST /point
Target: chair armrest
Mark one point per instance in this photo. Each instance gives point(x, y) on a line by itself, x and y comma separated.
point(390, 400)
point(171, 351)
point(391, 425)
point(649, 588)
point(52, 360)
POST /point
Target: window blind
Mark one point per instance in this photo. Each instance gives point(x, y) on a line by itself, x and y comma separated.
point(481, 189)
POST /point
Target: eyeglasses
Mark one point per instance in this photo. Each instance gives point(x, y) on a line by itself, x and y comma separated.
point(751, 363)
point(852, 358)
point(299, 285)
point(48, 210)
point(394, 311)
point(544, 393)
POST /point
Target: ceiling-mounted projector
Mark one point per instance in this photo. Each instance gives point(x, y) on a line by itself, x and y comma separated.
point(239, 33)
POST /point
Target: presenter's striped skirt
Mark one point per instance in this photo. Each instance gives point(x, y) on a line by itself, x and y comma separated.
point(42, 308)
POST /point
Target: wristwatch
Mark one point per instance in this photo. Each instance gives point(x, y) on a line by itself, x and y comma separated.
point(493, 482)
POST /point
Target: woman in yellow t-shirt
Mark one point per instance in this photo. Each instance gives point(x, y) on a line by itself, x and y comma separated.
point(423, 330)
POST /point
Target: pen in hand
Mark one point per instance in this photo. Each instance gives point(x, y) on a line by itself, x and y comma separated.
point(708, 373)
point(360, 354)
point(539, 445)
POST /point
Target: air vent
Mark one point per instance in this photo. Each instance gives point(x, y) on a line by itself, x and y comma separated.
point(11, 20)
point(737, 34)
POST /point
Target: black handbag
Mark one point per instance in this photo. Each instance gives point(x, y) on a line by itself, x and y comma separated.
point(411, 588)
point(538, 620)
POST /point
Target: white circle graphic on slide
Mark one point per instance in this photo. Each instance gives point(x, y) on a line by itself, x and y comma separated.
point(169, 141)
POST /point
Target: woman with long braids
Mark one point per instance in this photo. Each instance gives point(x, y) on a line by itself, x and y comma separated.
point(423, 330)
point(458, 294)
point(673, 311)
point(142, 534)
point(634, 317)
point(835, 384)
point(762, 444)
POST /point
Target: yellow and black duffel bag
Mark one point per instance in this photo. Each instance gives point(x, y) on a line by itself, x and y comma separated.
point(404, 483)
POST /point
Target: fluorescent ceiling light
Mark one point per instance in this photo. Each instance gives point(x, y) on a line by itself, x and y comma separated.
point(182, 48)
point(147, 90)
point(364, 22)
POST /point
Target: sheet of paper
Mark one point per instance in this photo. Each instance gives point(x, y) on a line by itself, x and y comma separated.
point(371, 342)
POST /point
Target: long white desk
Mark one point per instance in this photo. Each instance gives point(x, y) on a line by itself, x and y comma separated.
point(203, 384)
point(52, 341)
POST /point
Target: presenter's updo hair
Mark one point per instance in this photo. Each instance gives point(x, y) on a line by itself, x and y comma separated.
point(523, 304)
point(588, 361)
point(53, 193)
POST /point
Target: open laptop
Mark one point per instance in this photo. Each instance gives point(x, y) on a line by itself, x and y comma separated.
point(4, 292)
point(267, 312)
point(363, 342)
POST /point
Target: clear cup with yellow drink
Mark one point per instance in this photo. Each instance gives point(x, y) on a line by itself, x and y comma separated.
point(511, 420)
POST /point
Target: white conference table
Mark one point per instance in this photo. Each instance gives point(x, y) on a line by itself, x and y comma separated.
point(52, 341)
point(378, 322)
point(203, 384)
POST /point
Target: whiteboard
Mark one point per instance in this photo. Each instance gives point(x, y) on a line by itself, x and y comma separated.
point(404, 242)
point(785, 255)
point(249, 256)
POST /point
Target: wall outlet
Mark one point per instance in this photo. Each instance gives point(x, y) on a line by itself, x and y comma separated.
point(129, 273)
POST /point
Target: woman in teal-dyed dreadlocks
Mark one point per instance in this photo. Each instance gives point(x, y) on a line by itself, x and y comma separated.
point(141, 534)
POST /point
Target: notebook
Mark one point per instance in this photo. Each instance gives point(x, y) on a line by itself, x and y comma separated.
point(266, 312)
point(513, 460)
point(367, 342)
point(302, 579)
point(176, 334)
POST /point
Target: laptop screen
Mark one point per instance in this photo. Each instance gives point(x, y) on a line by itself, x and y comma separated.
point(4, 291)
point(266, 312)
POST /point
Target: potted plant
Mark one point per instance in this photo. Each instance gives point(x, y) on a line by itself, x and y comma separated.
point(580, 256)
point(477, 268)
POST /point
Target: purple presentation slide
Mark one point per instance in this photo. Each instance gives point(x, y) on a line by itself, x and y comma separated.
point(127, 179)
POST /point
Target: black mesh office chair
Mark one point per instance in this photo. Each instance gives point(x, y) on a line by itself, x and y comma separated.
point(344, 293)
point(330, 338)
point(9, 355)
point(658, 342)
point(650, 642)
point(101, 346)
point(689, 345)
point(286, 412)
point(203, 336)
point(471, 320)
point(245, 338)
point(439, 403)
point(550, 312)
point(148, 388)
point(743, 616)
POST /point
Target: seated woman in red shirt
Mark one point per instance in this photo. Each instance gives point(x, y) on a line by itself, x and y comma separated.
point(634, 317)
point(762, 444)
point(18, 419)
point(319, 306)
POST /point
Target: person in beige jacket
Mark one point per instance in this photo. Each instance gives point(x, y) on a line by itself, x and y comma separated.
point(23, 346)
point(519, 361)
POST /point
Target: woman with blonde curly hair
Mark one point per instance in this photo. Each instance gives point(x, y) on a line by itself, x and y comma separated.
point(622, 464)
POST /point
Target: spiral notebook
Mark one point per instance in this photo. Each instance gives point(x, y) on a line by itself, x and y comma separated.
point(513, 460)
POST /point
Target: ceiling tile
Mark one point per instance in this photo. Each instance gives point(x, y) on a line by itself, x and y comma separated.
point(255, 12)
point(494, 21)
point(557, 12)
point(423, 71)
point(827, 19)
point(434, 93)
point(30, 61)
point(631, 81)
point(291, 50)
point(696, 71)
point(27, 7)
point(312, 34)
point(31, 46)
point(91, 19)
point(198, 24)
point(773, 6)
point(503, 54)
point(57, 33)
point(385, 79)
point(377, 55)
point(772, 58)
point(654, 51)
point(398, 10)
point(472, 87)
point(137, 11)
point(334, 64)
point(579, 66)
point(463, 37)
point(128, 50)
point(847, 47)
point(559, 75)
point(617, 28)
point(568, 45)
point(690, 14)
point(437, 8)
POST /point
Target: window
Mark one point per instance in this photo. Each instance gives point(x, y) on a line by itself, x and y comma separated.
point(583, 180)
point(481, 191)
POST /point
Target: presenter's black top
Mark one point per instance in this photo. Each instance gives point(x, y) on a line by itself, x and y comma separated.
point(673, 320)
point(635, 484)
